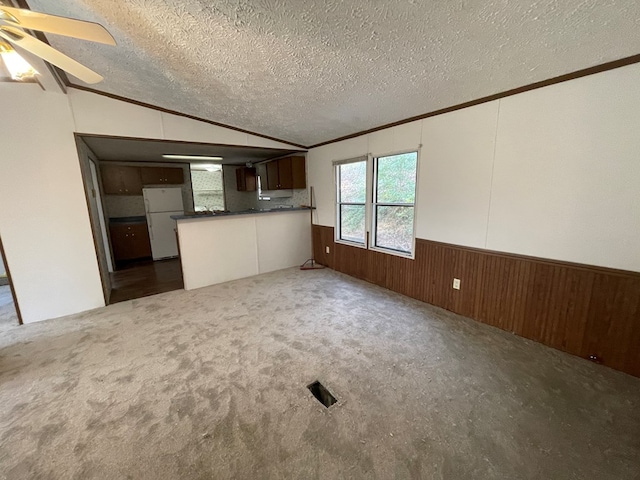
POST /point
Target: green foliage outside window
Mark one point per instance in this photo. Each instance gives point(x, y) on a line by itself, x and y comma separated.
point(395, 184)
point(397, 178)
point(393, 206)
point(353, 190)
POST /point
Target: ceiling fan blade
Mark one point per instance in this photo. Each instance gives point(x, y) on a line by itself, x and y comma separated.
point(54, 24)
point(30, 44)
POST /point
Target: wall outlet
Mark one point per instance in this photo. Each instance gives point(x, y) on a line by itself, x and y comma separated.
point(326, 249)
point(456, 283)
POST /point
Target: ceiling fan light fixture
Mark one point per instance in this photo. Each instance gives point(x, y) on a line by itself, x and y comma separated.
point(14, 23)
point(18, 67)
point(6, 16)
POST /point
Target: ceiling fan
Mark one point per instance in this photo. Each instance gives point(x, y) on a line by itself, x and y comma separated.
point(14, 22)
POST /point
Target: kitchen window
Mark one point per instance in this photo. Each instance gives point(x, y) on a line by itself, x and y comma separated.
point(378, 195)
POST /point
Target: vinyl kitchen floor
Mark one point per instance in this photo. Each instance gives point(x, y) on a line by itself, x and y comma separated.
point(144, 278)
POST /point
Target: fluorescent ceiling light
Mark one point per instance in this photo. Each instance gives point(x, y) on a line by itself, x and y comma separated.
point(18, 67)
point(193, 157)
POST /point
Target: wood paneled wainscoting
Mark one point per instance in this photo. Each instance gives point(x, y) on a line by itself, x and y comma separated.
point(580, 309)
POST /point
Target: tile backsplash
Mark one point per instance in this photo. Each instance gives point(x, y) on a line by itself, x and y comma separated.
point(124, 205)
point(237, 201)
point(300, 197)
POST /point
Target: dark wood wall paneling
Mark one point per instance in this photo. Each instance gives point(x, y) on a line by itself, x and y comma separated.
point(583, 310)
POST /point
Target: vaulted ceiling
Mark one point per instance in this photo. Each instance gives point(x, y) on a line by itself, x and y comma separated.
point(309, 71)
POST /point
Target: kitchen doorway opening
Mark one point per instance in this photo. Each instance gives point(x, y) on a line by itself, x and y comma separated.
point(130, 207)
point(134, 186)
point(143, 241)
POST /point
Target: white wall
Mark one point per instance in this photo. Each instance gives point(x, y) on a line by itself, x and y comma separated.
point(102, 115)
point(48, 243)
point(43, 212)
point(216, 250)
point(553, 172)
point(320, 174)
point(455, 175)
point(566, 180)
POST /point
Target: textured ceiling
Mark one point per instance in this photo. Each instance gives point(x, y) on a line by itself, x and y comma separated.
point(308, 71)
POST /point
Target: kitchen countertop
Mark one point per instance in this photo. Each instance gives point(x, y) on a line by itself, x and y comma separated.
point(243, 212)
point(120, 220)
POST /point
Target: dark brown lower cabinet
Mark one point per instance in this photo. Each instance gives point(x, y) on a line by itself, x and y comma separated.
point(130, 241)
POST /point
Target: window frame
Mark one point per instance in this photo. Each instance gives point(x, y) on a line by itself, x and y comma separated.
point(336, 176)
point(374, 204)
point(371, 162)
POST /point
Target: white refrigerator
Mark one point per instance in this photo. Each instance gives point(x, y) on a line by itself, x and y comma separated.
point(160, 204)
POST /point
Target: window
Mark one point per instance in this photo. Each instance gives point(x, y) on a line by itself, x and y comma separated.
point(351, 179)
point(207, 184)
point(377, 195)
point(394, 201)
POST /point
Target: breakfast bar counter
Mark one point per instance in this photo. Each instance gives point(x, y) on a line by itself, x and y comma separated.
point(217, 248)
point(251, 211)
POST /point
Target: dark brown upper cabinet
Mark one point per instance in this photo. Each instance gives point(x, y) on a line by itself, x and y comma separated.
point(273, 180)
point(286, 173)
point(121, 180)
point(246, 179)
point(298, 172)
point(162, 176)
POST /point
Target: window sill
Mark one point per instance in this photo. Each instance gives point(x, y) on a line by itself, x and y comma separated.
point(409, 256)
point(350, 244)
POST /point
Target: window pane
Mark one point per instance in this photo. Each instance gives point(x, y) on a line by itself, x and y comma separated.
point(394, 228)
point(352, 223)
point(353, 182)
point(397, 178)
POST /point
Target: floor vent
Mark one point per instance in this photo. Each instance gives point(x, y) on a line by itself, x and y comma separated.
point(322, 394)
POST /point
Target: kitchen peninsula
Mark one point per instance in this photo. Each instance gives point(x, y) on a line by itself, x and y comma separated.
point(217, 248)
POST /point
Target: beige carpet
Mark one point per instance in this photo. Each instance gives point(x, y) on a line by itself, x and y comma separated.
point(212, 384)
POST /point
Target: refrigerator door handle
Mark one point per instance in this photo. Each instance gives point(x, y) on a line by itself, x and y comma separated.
point(149, 221)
